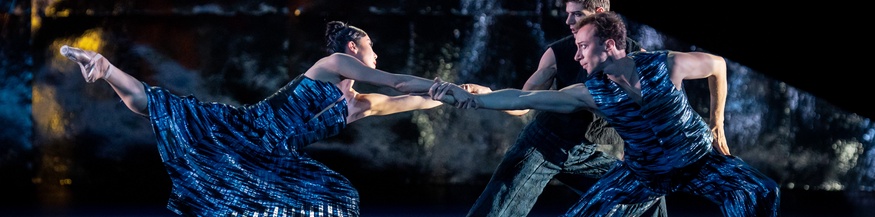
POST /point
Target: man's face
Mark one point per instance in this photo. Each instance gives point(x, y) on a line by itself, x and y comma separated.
point(575, 13)
point(591, 51)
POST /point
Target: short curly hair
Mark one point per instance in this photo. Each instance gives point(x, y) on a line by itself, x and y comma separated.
point(609, 25)
point(592, 4)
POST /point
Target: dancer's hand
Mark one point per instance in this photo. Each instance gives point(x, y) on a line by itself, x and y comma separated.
point(440, 91)
point(452, 94)
point(476, 88)
point(719, 142)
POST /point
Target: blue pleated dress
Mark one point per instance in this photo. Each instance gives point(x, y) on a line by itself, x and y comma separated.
point(248, 161)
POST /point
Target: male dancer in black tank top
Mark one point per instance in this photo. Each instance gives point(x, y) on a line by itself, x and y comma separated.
point(554, 145)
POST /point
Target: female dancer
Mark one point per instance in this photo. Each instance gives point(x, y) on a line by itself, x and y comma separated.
point(225, 160)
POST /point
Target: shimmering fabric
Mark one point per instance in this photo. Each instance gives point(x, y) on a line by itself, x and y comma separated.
point(552, 145)
point(225, 160)
point(662, 133)
point(668, 150)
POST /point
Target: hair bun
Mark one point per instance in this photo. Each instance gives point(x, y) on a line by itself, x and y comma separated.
point(338, 33)
point(334, 27)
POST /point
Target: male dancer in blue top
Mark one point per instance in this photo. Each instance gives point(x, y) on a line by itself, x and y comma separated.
point(668, 146)
point(554, 145)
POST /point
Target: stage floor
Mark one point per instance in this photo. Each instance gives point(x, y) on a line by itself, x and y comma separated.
point(437, 201)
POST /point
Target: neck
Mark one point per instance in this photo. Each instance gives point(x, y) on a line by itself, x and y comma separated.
point(618, 54)
point(615, 55)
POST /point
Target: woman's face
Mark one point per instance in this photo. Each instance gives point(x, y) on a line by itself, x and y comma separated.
point(365, 52)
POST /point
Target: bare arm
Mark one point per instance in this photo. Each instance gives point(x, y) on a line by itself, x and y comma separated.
point(94, 66)
point(567, 100)
point(348, 67)
point(697, 65)
point(130, 90)
point(385, 105)
point(363, 105)
point(542, 79)
point(368, 104)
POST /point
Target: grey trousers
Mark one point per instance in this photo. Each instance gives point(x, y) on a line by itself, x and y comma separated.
point(537, 157)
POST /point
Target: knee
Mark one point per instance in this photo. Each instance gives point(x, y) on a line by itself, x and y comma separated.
point(770, 199)
point(770, 189)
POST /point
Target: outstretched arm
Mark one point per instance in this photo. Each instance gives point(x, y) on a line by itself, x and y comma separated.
point(368, 104)
point(362, 105)
point(541, 79)
point(566, 100)
point(697, 65)
point(351, 68)
point(94, 66)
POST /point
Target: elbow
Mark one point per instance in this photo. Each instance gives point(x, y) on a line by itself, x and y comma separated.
point(397, 85)
point(719, 65)
point(403, 86)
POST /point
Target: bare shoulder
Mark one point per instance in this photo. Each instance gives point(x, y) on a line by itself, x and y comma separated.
point(328, 68)
point(578, 90)
point(575, 87)
point(694, 65)
point(334, 58)
point(548, 55)
point(693, 56)
point(683, 60)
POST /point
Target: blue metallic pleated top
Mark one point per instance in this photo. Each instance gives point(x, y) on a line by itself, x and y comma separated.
point(225, 160)
point(656, 142)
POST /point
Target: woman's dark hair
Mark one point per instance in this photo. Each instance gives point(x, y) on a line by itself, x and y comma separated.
point(338, 33)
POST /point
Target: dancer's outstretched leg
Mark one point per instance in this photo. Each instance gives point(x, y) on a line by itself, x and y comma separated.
point(94, 66)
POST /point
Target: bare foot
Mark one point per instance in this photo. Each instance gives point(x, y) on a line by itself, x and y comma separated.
point(92, 64)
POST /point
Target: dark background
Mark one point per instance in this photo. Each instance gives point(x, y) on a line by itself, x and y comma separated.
point(810, 46)
point(796, 109)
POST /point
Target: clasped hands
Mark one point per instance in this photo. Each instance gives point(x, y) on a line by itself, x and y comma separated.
point(460, 96)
